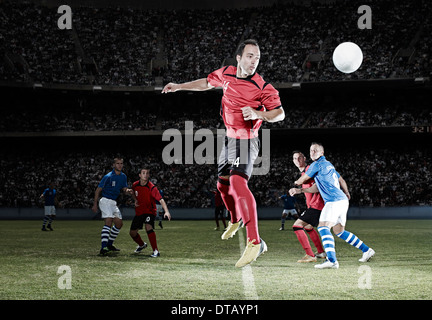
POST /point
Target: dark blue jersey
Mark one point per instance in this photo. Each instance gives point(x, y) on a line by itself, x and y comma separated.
point(112, 184)
point(289, 202)
point(49, 196)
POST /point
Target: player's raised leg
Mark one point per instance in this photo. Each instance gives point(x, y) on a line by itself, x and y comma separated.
point(223, 186)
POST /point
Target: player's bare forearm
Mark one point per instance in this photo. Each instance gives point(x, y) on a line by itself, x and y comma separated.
point(97, 195)
point(312, 189)
point(273, 115)
point(165, 207)
point(96, 199)
point(302, 180)
point(344, 187)
point(196, 85)
point(269, 116)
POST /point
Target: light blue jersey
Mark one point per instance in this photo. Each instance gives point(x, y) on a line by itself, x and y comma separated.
point(327, 180)
point(112, 184)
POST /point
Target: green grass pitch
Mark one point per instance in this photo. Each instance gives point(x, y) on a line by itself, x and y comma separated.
point(195, 264)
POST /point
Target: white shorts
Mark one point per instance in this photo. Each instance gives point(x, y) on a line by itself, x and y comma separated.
point(109, 208)
point(50, 211)
point(335, 212)
point(292, 211)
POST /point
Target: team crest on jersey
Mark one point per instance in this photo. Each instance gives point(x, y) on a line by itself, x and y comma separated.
point(113, 184)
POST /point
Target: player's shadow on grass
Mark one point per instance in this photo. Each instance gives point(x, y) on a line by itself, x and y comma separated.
point(111, 254)
point(140, 256)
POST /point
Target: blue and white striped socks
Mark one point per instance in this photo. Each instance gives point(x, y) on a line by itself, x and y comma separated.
point(108, 235)
point(105, 235)
point(353, 240)
point(328, 243)
point(113, 235)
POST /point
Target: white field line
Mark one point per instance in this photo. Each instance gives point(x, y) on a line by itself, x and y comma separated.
point(247, 275)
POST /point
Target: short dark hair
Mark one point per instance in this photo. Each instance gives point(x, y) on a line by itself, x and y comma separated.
point(143, 168)
point(297, 151)
point(240, 48)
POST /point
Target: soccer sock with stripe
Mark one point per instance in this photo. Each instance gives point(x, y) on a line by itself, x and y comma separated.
point(113, 235)
point(45, 220)
point(313, 234)
point(328, 243)
point(105, 235)
point(353, 240)
point(303, 239)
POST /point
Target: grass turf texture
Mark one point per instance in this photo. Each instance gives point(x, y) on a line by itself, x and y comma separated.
point(196, 264)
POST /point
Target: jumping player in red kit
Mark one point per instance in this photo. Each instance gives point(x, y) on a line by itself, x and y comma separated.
point(144, 192)
point(247, 101)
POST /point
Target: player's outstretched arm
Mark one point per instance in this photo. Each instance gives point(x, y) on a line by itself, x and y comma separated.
point(196, 85)
point(302, 180)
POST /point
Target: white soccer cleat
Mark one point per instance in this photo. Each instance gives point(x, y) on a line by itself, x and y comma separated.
point(155, 254)
point(231, 230)
point(251, 253)
point(327, 265)
point(140, 248)
point(367, 255)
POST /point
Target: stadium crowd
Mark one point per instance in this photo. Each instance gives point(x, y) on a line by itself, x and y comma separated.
point(133, 47)
point(376, 177)
point(88, 112)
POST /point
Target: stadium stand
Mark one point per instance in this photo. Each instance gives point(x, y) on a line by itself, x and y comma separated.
point(95, 87)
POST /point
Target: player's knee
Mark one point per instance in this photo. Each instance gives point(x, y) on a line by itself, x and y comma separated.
point(150, 231)
point(133, 233)
point(298, 223)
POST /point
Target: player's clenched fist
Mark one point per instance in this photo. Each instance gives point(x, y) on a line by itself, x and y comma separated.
point(250, 113)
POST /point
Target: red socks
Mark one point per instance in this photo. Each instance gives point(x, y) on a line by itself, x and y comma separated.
point(223, 186)
point(138, 240)
point(245, 206)
point(152, 237)
point(304, 241)
point(313, 234)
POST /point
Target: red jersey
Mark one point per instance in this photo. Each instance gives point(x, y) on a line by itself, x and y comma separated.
point(147, 196)
point(238, 93)
point(313, 200)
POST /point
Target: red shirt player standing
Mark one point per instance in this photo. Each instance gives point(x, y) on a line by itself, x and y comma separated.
point(145, 193)
point(310, 218)
point(247, 101)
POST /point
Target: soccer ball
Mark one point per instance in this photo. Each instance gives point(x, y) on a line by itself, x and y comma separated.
point(347, 57)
